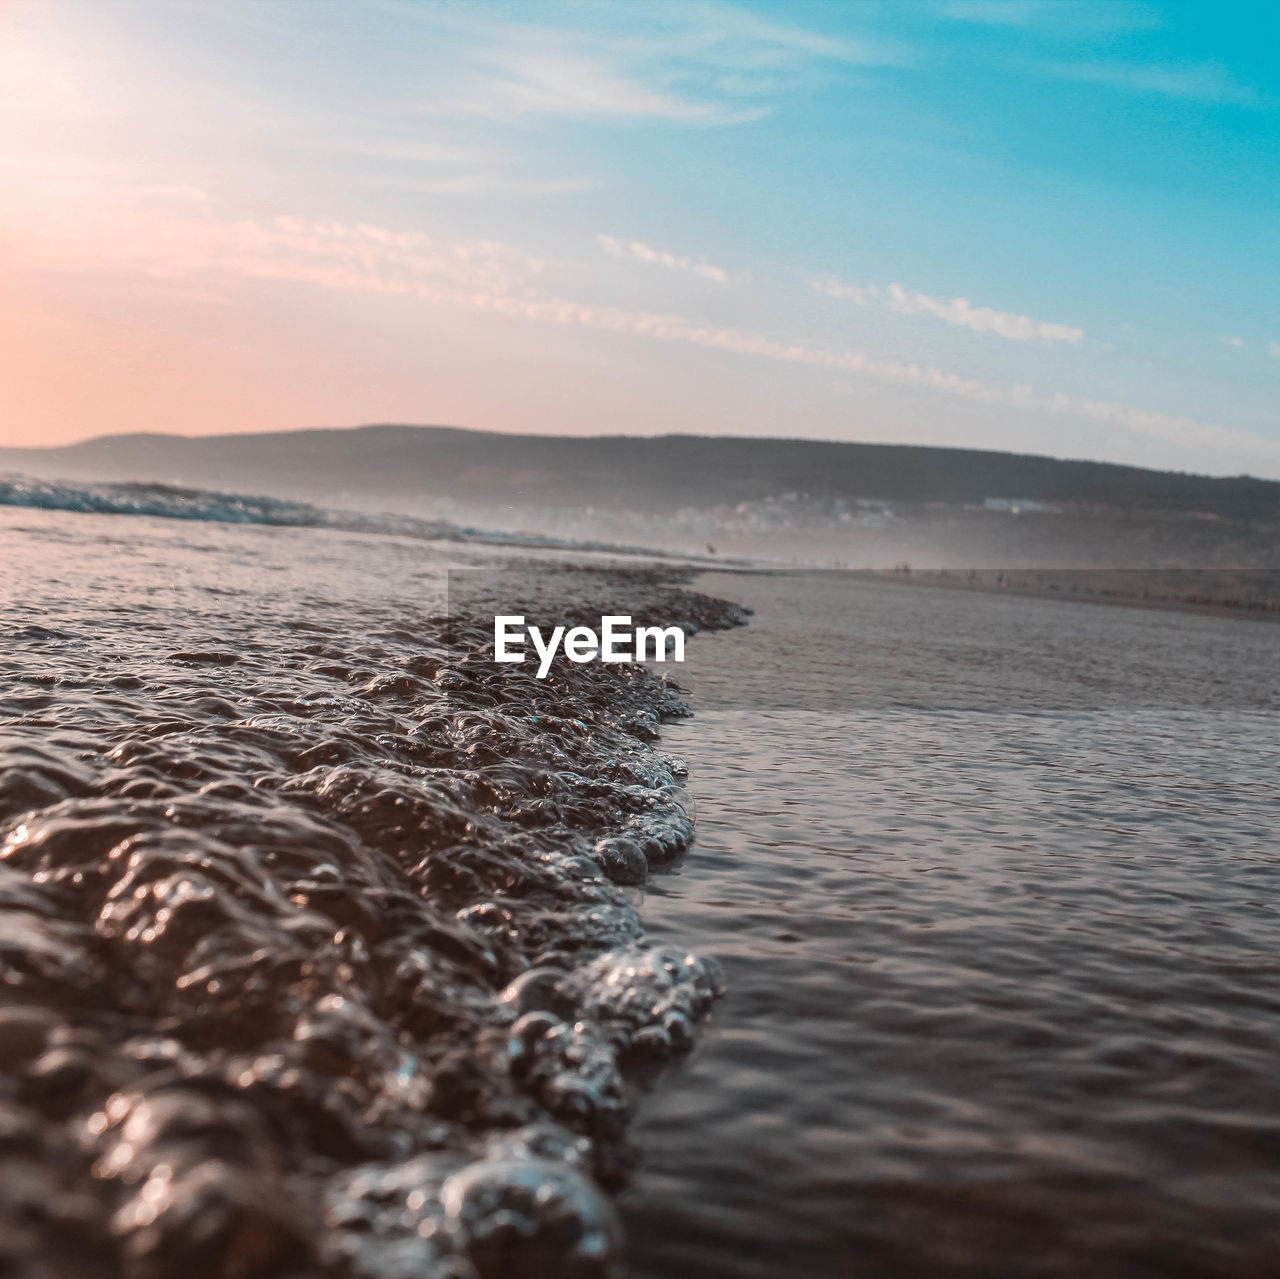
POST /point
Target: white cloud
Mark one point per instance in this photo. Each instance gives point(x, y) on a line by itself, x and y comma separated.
point(173, 235)
point(861, 294)
point(638, 251)
point(178, 233)
point(1274, 350)
point(500, 279)
point(1236, 342)
point(358, 257)
point(981, 319)
point(958, 311)
point(1171, 428)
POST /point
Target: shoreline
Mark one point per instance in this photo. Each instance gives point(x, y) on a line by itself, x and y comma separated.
point(1070, 586)
point(297, 871)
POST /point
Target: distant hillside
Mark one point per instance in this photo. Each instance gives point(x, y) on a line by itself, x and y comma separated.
point(405, 466)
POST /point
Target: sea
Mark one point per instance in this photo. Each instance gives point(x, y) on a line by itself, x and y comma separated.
point(899, 932)
point(995, 884)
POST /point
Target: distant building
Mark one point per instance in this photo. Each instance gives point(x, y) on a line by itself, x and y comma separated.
point(1016, 505)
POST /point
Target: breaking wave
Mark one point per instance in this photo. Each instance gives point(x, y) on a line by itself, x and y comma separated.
point(319, 944)
point(167, 501)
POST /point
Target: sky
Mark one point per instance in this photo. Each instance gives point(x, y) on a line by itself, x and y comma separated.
point(1045, 226)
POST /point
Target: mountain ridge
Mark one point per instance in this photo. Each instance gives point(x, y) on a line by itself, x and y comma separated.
point(409, 464)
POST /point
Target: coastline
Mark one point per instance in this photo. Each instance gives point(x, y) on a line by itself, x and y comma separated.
point(1246, 594)
point(1243, 594)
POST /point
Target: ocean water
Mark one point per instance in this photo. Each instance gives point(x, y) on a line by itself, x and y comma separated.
point(167, 501)
point(319, 943)
point(940, 940)
point(995, 884)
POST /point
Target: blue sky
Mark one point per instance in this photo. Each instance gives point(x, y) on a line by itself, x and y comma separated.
point(1018, 224)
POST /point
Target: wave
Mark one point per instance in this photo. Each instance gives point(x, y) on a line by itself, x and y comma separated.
point(318, 930)
point(166, 501)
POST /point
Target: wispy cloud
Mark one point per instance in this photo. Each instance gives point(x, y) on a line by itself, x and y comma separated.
point(638, 251)
point(500, 279)
point(359, 257)
point(1200, 82)
point(861, 294)
point(1236, 342)
point(177, 233)
point(956, 311)
point(733, 37)
point(1274, 350)
point(981, 319)
point(708, 64)
point(560, 81)
point(174, 236)
point(1170, 428)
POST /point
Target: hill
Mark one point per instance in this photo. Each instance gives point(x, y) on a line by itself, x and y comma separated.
point(408, 466)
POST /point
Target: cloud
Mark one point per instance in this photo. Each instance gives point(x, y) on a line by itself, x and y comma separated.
point(638, 251)
point(1171, 428)
point(689, 63)
point(861, 294)
point(735, 38)
point(958, 311)
point(1236, 342)
point(1191, 82)
point(178, 233)
point(557, 81)
point(354, 257)
point(981, 319)
point(498, 278)
point(1274, 350)
point(173, 235)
